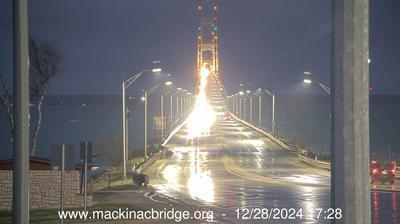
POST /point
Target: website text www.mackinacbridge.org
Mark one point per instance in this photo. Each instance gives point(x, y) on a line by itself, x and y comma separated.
point(126, 214)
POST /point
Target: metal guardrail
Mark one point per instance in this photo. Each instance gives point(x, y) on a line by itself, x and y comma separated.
point(315, 163)
point(160, 154)
point(149, 161)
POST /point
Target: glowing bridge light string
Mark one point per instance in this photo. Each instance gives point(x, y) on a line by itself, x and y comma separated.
point(203, 116)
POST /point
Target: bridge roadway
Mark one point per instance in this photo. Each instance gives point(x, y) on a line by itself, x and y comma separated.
point(237, 167)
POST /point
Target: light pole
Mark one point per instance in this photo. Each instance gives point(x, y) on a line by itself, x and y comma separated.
point(162, 115)
point(241, 93)
point(168, 83)
point(20, 198)
point(248, 92)
point(170, 111)
point(272, 112)
point(181, 109)
point(177, 103)
point(236, 105)
point(259, 110)
point(145, 99)
point(308, 80)
point(232, 103)
point(125, 85)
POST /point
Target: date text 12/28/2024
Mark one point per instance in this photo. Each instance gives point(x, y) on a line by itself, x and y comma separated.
point(287, 214)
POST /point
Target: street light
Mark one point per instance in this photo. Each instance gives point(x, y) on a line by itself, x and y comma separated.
point(273, 109)
point(145, 99)
point(240, 94)
point(307, 80)
point(125, 84)
point(237, 104)
point(167, 83)
point(251, 106)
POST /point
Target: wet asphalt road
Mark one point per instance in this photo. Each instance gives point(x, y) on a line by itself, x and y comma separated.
point(235, 167)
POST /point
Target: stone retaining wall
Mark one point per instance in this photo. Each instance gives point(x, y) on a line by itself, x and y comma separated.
point(45, 189)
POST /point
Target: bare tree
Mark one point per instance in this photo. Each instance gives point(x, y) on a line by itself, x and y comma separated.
point(44, 62)
point(6, 101)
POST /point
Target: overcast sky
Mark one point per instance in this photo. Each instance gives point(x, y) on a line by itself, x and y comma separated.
point(264, 42)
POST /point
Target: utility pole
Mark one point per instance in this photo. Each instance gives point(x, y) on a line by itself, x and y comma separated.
point(233, 106)
point(251, 109)
point(240, 107)
point(86, 175)
point(259, 111)
point(145, 124)
point(244, 108)
point(350, 187)
point(62, 181)
point(182, 110)
point(273, 114)
point(170, 112)
point(123, 131)
point(20, 208)
point(162, 115)
point(177, 108)
point(237, 108)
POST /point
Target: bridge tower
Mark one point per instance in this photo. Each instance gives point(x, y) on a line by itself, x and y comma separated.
point(207, 36)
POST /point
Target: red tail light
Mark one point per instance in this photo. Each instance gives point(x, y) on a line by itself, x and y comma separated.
point(375, 171)
point(394, 171)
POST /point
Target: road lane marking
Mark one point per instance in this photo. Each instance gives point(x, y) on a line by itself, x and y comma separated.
point(236, 170)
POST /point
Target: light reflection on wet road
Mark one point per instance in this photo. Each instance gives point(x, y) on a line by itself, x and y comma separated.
point(199, 174)
point(236, 167)
point(214, 172)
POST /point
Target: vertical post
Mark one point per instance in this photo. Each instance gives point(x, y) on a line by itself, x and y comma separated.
point(181, 113)
point(62, 181)
point(170, 112)
point(350, 189)
point(162, 116)
point(86, 176)
point(109, 178)
point(251, 109)
point(259, 111)
point(240, 107)
point(145, 124)
point(20, 209)
point(236, 106)
point(244, 108)
point(123, 131)
point(177, 108)
point(233, 105)
point(273, 114)
point(126, 138)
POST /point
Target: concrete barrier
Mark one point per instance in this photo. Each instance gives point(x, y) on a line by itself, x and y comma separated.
point(265, 133)
point(160, 154)
point(315, 163)
point(174, 132)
